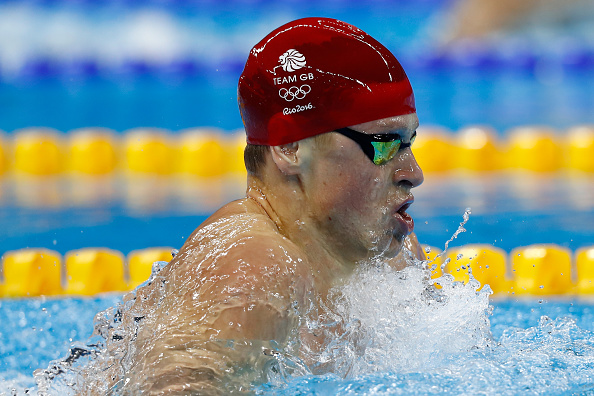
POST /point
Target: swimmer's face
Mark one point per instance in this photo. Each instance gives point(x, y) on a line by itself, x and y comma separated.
point(359, 205)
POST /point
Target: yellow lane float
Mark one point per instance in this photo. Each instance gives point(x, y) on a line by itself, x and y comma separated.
point(584, 261)
point(38, 151)
point(202, 152)
point(478, 149)
point(140, 263)
point(148, 150)
point(32, 272)
point(535, 270)
point(579, 154)
point(235, 147)
point(92, 151)
point(211, 152)
point(434, 149)
point(534, 149)
point(487, 264)
point(94, 270)
point(541, 270)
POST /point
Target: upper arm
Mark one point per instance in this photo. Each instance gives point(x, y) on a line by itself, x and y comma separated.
point(220, 313)
point(257, 288)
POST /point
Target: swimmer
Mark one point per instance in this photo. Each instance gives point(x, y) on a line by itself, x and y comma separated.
point(330, 119)
point(475, 19)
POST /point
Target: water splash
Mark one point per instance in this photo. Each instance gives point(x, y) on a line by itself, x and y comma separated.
point(398, 321)
point(88, 362)
point(367, 324)
point(461, 229)
point(381, 332)
point(555, 357)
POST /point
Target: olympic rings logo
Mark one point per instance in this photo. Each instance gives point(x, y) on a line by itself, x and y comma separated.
point(294, 92)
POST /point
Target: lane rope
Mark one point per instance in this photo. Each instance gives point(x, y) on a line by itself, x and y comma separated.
point(534, 270)
point(211, 152)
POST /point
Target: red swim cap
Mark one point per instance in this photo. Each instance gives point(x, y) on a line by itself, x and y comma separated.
point(315, 75)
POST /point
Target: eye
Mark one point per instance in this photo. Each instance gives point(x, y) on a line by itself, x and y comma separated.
point(385, 151)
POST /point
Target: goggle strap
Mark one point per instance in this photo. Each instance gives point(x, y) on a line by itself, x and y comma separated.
point(367, 148)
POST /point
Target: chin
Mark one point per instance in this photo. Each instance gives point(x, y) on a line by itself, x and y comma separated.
point(397, 243)
point(392, 247)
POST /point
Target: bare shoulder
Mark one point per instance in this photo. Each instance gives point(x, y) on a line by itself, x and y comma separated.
point(236, 278)
point(243, 249)
point(243, 236)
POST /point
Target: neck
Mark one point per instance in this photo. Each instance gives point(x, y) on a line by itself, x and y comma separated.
point(286, 205)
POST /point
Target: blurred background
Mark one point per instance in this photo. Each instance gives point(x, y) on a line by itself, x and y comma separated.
point(168, 71)
point(175, 64)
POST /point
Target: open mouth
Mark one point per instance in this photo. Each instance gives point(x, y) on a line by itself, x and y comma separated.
point(405, 217)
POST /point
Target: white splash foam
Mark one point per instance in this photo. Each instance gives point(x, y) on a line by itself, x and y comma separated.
point(398, 321)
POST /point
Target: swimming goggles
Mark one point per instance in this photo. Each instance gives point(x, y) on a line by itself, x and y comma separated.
point(379, 148)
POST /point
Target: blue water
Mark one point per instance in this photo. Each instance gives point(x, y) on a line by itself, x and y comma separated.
point(508, 210)
point(542, 333)
point(451, 98)
point(536, 85)
point(503, 84)
point(36, 331)
point(540, 347)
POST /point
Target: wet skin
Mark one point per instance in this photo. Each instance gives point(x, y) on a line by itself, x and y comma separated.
point(258, 266)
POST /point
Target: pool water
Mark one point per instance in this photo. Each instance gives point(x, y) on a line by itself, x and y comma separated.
point(540, 348)
point(529, 346)
point(509, 209)
point(184, 74)
point(533, 346)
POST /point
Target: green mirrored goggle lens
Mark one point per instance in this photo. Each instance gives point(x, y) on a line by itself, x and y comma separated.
point(379, 148)
point(385, 151)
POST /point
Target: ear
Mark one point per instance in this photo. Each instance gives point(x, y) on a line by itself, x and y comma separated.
point(286, 158)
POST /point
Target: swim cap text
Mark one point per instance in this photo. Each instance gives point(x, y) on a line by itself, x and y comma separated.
point(297, 109)
point(293, 78)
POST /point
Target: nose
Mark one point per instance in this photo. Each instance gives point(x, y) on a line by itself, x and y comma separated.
point(408, 170)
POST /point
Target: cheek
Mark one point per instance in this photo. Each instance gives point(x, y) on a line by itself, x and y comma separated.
point(370, 186)
point(361, 193)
